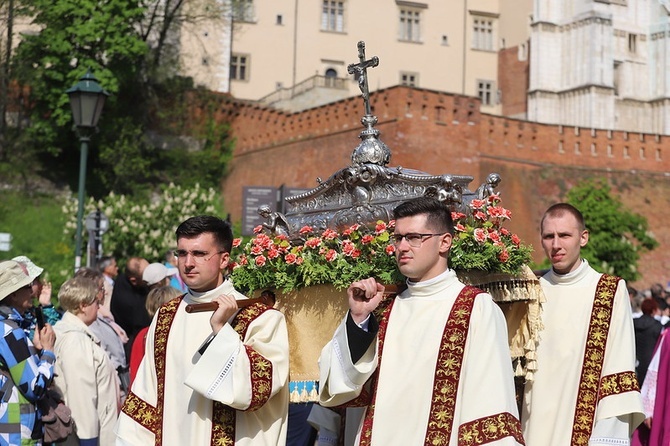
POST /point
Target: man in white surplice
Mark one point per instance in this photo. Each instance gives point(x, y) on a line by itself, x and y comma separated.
point(432, 365)
point(206, 378)
point(585, 390)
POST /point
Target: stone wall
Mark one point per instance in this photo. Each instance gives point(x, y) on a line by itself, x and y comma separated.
point(441, 133)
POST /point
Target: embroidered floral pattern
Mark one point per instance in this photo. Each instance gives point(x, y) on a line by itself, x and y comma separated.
point(260, 367)
point(489, 429)
point(382, 313)
point(448, 368)
point(139, 410)
point(594, 354)
point(618, 383)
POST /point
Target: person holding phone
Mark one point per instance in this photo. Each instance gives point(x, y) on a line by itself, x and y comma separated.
point(26, 368)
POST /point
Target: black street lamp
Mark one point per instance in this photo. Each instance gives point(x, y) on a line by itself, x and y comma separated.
point(87, 98)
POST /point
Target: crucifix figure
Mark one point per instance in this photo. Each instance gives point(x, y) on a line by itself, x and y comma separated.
point(361, 70)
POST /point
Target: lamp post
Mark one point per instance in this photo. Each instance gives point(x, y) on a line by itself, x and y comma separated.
point(87, 98)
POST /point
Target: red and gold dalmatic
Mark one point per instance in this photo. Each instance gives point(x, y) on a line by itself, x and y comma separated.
point(183, 393)
point(584, 388)
point(447, 419)
point(593, 387)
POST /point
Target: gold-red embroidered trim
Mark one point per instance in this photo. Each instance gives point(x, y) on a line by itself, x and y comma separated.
point(143, 413)
point(618, 383)
point(448, 368)
point(594, 355)
point(489, 429)
point(382, 314)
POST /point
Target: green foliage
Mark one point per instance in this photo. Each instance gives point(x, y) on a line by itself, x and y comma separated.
point(482, 243)
point(144, 124)
point(617, 236)
point(35, 223)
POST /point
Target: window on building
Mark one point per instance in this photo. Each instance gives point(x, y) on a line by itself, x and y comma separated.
point(239, 67)
point(632, 43)
point(485, 92)
point(331, 77)
point(409, 79)
point(410, 25)
point(332, 16)
point(280, 19)
point(243, 10)
point(482, 33)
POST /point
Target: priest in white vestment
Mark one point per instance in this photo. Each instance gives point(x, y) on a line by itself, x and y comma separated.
point(432, 365)
point(209, 378)
point(573, 400)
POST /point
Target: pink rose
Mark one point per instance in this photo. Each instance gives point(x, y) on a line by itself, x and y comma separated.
point(329, 234)
point(380, 227)
point(331, 255)
point(390, 250)
point(503, 256)
point(237, 242)
point(480, 235)
point(290, 258)
point(306, 229)
point(260, 261)
point(477, 204)
point(313, 242)
point(479, 215)
point(367, 239)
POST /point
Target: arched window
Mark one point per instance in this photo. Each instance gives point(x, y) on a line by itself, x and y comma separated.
point(331, 77)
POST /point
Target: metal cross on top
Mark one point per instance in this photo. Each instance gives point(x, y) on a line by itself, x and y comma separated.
point(361, 69)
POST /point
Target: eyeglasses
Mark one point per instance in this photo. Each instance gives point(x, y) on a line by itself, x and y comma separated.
point(414, 239)
point(198, 256)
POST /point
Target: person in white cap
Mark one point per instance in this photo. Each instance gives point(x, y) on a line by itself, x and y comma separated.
point(157, 275)
point(41, 289)
point(26, 368)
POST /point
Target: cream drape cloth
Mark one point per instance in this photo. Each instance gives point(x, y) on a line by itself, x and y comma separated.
point(222, 373)
point(413, 339)
point(549, 401)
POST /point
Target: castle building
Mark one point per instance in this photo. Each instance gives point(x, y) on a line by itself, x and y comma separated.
point(294, 54)
point(601, 64)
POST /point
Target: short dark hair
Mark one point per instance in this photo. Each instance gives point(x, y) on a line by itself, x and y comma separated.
point(437, 213)
point(559, 209)
point(202, 224)
point(656, 290)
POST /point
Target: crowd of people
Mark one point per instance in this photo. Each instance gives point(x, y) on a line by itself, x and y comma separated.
point(430, 366)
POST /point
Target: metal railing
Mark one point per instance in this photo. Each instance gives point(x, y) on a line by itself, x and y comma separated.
point(316, 81)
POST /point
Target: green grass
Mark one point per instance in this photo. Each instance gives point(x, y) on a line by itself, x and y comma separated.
point(36, 224)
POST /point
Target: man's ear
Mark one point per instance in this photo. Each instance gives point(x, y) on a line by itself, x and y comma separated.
point(445, 242)
point(584, 238)
point(225, 259)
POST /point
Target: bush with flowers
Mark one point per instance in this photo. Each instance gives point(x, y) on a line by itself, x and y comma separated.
point(482, 243)
point(331, 257)
point(144, 227)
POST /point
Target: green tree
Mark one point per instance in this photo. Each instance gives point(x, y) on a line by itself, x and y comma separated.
point(617, 236)
point(130, 47)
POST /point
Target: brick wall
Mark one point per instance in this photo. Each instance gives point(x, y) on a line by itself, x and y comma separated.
point(442, 133)
point(513, 80)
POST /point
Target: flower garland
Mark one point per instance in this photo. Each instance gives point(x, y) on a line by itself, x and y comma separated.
point(339, 258)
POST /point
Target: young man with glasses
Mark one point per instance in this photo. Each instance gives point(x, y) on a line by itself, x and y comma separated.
point(432, 365)
point(206, 378)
